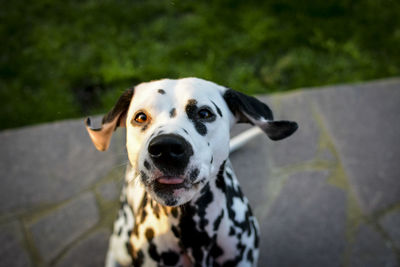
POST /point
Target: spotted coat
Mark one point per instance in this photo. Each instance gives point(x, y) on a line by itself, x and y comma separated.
point(181, 204)
point(216, 228)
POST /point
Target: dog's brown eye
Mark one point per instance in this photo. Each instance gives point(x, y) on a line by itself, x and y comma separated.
point(141, 117)
point(205, 114)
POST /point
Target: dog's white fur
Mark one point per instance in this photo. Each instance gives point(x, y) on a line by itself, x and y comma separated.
point(177, 93)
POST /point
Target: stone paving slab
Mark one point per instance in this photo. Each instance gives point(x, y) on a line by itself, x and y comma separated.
point(53, 232)
point(12, 252)
point(109, 191)
point(50, 163)
point(303, 228)
point(364, 121)
point(391, 223)
point(95, 248)
point(302, 146)
point(371, 250)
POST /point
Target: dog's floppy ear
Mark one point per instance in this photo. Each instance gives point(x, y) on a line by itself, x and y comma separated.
point(101, 137)
point(251, 110)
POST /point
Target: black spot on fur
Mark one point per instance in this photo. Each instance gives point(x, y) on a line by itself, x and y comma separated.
point(239, 236)
point(153, 252)
point(152, 247)
point(257, 239)
point(139, 259)
point(212, 160)
point(170, 201)
point(202, 204)
point(149, 234)
point(165, 210)
point(231, 193)
point(220, 182)
point(119, 231)
point(229, 175)
point(194, 174)
point(218, 221)
point(185, 131)
point(215, 250)
point(172, 113)
point(144, 177)
point(156, 210)
point(191, 237)
point(125, 216)
point(237, 259)
point(147, 165)
point(170, 258)
point(144, 128)
point(136, 229)
point(218, 110)
point(232, 231)
point(142, 209)
point(174, 212)
point(250, 257)
point(175, 231)
point(161, 91)
point(129, 248)
point(191, 111)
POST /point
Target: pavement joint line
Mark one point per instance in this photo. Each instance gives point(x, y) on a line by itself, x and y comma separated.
point(31, 216)
point(107, 210)
point(106, 217)
point(339, 179)
point(378, 215)
point(272, 191)
point(29, 244)
point(386, 237)
point(273, 178)
point(37, 215)
point(116, 174)
point(105, 222)
point(354, 216)
point(310, 165)
point(325, 140)
point(280, 175)
point(82, 237)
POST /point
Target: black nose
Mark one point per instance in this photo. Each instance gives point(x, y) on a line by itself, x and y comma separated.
point(170, 153)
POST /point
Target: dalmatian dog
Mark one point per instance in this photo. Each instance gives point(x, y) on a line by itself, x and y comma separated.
point(181, 204)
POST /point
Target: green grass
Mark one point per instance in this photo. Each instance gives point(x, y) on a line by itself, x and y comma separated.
point(73, 58)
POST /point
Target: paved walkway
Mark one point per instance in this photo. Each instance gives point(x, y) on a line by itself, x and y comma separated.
point(328, 196)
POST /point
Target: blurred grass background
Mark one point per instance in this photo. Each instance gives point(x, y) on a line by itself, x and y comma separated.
point(65, 59)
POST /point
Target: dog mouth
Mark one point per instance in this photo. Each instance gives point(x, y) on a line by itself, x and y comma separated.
point(168, 184)
point(168, 188)
point(170, 180)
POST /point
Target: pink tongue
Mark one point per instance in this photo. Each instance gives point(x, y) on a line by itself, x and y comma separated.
point(170, 180)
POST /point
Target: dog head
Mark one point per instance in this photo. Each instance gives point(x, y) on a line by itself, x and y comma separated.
point(178, 132)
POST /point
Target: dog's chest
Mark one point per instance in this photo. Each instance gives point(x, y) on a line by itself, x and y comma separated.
point(214, 228)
